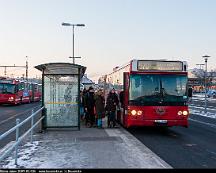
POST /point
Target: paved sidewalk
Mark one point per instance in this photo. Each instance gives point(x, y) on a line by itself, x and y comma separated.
point(87, 148)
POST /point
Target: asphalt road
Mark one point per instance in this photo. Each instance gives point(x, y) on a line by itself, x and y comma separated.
point(8, 116)
point(192, 147)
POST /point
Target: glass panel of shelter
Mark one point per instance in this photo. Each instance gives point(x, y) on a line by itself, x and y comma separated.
point(61, 100)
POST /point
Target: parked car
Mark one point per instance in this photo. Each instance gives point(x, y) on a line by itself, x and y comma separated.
point(211, 93)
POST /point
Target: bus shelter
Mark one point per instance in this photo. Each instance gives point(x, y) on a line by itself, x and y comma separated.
point(61, 94)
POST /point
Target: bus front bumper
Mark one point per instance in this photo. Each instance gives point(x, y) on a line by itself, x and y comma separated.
point(166, 123)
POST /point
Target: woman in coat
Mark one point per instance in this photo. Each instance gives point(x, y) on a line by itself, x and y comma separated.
point(99, 107)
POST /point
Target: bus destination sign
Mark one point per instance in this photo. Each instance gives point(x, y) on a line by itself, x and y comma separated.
point(160, 65)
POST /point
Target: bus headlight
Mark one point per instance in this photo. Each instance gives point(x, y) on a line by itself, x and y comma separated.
point(139, 112)
point(179, 112)
point(185, 113)
point(10, 98)
point(133, 112)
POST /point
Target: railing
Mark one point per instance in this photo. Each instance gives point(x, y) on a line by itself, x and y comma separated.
point(20, 138)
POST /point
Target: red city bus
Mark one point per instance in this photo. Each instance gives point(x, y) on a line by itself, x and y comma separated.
point(13, 91)
point(151, 92)
point(35, 92)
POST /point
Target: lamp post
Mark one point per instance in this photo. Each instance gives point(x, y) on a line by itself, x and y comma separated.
point(27, 68)
point(73, 25)
point(206, 59)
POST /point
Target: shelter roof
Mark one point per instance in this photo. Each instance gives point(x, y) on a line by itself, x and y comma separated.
point(61, 68)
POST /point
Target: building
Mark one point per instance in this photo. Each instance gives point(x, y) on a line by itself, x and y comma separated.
point(197, 82)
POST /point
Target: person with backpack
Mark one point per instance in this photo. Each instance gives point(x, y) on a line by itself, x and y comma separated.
point(111, 105)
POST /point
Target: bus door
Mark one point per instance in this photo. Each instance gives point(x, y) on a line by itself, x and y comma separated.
point(124, 112)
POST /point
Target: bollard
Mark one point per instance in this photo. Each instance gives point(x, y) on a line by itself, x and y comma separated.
point(32, 123)
point(17, 138)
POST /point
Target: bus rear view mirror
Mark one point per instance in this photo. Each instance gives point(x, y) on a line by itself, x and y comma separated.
point(190, 92)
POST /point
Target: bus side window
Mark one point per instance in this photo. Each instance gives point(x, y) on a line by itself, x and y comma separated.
point(19, 86)
point(16, 89)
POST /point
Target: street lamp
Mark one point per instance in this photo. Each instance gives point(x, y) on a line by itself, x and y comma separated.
point(73, 25)
point(206, 59)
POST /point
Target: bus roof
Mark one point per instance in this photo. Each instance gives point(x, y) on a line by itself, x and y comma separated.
point(153, 65)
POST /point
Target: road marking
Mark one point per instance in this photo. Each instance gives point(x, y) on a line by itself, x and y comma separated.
point(2, 122)
point(190, 145)
point(201, 122)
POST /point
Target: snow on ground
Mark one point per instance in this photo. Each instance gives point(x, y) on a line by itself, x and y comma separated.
point(24, 156)
point(199, 95)
point(200, 110)
point(202, 95)
point(202, 113)
point(89, 148)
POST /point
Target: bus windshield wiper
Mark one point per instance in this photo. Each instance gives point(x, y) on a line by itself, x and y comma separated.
point(147, 98)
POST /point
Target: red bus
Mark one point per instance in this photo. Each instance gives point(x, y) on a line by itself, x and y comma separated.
point(35, 91)
point(13, 91)
point(151, 92)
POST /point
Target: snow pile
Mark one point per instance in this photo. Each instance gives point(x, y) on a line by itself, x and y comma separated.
point(202, 113)
point(199, 95)
point(24, 156)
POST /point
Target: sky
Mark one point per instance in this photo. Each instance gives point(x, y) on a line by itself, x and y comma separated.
point(115, 32)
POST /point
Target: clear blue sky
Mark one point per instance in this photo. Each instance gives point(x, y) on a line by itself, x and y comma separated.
point(116, 31)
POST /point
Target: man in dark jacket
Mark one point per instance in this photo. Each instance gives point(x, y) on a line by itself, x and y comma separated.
point(111, 103)
point(89, 104)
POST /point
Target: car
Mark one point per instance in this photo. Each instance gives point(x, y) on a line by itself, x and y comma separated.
point(211, 93)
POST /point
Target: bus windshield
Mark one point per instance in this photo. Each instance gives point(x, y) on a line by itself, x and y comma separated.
point(154, 89)
point(7, 88)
